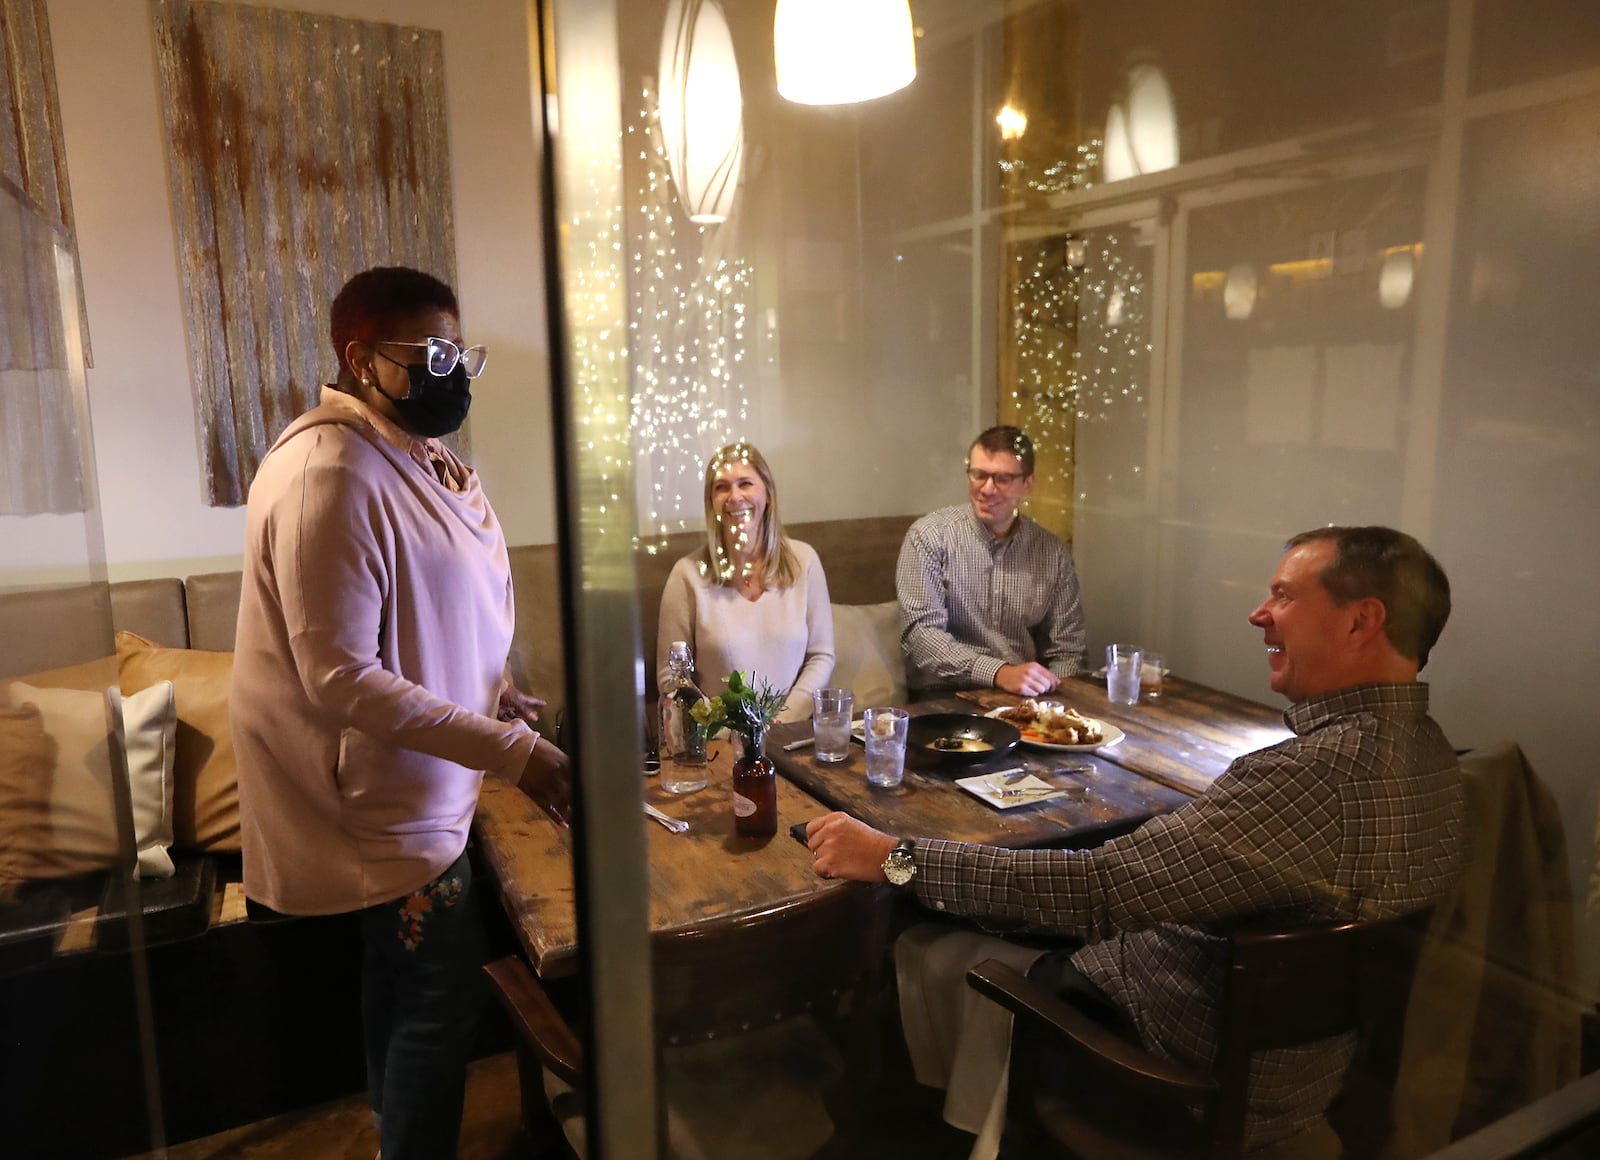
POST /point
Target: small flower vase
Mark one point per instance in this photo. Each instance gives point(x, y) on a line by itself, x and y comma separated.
point(755, 789)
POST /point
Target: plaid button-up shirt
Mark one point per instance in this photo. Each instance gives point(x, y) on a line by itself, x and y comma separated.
point(1358, 816)
point(970, 603)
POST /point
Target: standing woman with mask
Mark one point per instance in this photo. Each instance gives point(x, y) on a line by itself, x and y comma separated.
point(370, 687)
point(751, 598)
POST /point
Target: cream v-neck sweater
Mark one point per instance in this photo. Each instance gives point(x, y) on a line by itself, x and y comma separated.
point(786, 635)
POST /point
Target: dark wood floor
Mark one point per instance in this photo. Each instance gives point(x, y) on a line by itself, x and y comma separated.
point(492, 1127)
point(904, 1121)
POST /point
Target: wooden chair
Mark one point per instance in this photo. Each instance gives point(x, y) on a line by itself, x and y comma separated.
point(820, 956)
point(1283, 988)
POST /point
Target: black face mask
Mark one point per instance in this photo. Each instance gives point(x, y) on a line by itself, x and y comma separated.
point(436, 406)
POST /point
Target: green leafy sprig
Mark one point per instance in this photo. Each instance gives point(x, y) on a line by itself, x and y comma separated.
point(742, 707)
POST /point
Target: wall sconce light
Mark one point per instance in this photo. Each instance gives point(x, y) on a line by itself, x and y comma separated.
point(1077, 253)
point(1013, 123)
point(702, 109)
point(1239, 292)
point(837, 52)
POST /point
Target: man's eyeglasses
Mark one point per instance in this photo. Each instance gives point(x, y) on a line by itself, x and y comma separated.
point(1001, 478)
point(443, 355)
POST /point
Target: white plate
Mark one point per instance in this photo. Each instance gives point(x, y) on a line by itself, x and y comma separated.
point(987, 787)
point(1112, 735)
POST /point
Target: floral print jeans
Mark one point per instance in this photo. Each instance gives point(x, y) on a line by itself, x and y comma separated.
point(422, 993)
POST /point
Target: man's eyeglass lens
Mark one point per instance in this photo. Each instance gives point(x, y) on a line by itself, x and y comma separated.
point(443, 355)
point(1001, 478)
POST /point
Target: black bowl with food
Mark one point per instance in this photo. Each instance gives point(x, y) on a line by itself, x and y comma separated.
point(959, 738)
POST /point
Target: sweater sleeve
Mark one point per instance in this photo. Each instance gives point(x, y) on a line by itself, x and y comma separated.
point(677, 619)
point(328, 538)
point(818, 665)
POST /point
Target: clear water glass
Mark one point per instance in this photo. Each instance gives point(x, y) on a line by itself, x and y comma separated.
point(1123, 662)
point(830, 724)
point(886, 746)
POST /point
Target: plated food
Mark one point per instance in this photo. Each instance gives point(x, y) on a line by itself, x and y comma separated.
point(1052, 725)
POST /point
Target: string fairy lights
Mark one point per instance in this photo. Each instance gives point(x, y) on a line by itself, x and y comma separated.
point(1078, 322)
point(688, 302)
point(593, 290)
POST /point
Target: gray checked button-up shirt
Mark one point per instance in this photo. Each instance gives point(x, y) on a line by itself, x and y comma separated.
point(1359, 816)
point(970, 603)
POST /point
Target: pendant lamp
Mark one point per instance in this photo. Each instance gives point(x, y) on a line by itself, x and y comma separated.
point(836, 52)
point(702, 109)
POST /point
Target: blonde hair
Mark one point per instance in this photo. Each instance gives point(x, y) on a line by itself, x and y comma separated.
point(780, 567)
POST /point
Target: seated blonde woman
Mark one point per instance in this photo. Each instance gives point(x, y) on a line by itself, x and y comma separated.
point(752, 599)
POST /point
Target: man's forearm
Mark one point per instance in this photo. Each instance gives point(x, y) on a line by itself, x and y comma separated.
point(935, 658)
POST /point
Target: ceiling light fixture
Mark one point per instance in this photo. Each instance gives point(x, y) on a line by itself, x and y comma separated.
point(702, 109)
point(838, 52)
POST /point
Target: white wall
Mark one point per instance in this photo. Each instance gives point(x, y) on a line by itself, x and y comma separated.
point(143, 412)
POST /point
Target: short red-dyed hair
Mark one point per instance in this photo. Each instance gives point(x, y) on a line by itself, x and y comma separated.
point(371, 301)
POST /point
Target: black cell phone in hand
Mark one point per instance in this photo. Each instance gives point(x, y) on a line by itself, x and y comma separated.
point(799, 832)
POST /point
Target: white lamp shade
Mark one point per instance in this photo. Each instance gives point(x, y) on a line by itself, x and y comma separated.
point(835, 52)
point(1152, 119)
point(1118, 163)
point(702, 109)
point(1239, 292)
point(1141, 126)
point(1395, 279)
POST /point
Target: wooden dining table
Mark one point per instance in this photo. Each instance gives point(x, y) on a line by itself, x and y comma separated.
point(1172, 748)
point(708, 874)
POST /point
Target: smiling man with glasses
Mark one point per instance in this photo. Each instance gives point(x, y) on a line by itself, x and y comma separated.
point(987, 596)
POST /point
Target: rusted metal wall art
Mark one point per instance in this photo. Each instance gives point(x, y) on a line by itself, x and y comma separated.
point(301, 149)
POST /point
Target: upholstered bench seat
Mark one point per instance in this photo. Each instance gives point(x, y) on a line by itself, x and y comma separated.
point(238, 1033)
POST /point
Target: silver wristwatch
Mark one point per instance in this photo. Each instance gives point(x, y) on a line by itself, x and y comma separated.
point(900, 867)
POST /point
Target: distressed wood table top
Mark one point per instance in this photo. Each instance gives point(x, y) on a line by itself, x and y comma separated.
point(1173, 749)
point(706, 875)
point(1184, 739)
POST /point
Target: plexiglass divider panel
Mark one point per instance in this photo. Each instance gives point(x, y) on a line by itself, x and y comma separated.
point(1241, 269)
point(75, 1007)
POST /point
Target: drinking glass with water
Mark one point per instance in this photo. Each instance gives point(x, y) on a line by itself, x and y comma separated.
point(830, 723)
point(1123, 664)
point(885, 735)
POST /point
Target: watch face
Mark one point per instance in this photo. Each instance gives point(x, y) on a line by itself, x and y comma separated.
point(899, 868)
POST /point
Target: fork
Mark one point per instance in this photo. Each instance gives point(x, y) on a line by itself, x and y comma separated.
point(1008, 787)
point(676, 825)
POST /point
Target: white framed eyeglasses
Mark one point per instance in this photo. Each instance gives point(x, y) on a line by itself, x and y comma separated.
point(443, 355)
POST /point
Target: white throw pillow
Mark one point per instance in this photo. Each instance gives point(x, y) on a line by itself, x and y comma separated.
point(82, 802)
point(867, 660)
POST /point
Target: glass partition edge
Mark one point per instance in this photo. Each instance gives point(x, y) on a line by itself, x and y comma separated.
point(589, 403)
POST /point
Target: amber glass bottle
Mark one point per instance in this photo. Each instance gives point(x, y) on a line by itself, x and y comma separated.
point(755, 790)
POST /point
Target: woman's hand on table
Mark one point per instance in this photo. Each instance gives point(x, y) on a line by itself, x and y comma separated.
point(547, 779)
point(842, 847)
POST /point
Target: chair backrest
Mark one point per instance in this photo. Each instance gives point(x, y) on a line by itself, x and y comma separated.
point(733, 976)
point(1294, 986)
